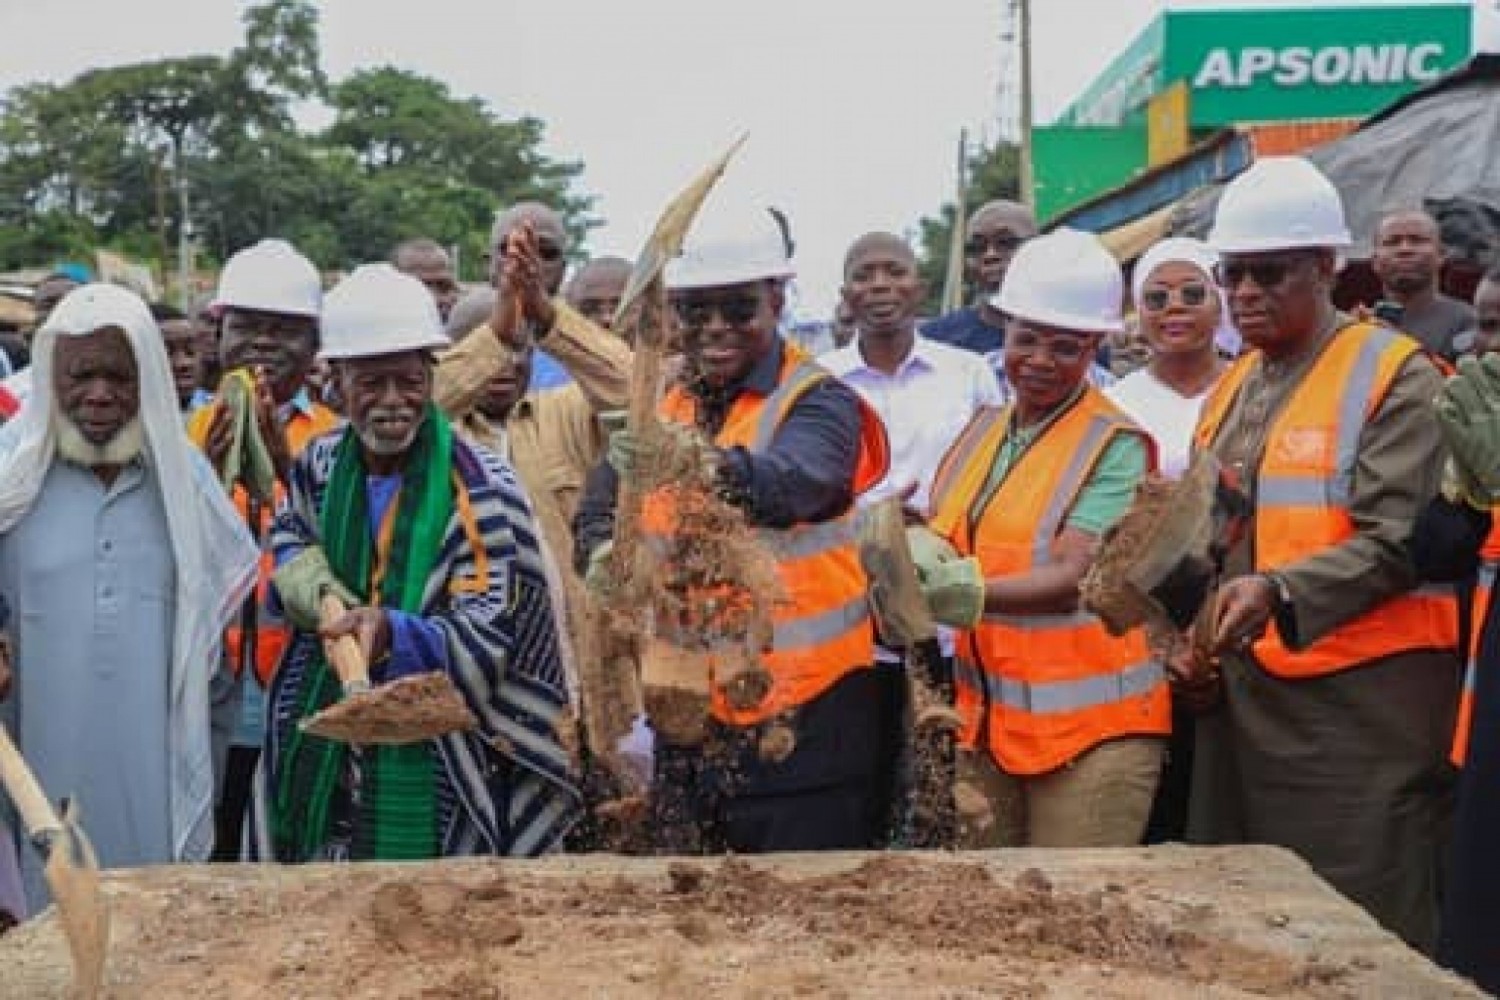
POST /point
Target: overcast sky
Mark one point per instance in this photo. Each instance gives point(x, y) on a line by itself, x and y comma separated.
point(853, 107)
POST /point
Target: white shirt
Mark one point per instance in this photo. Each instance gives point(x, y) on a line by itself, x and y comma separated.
point(930, 398)
point(1164, 413)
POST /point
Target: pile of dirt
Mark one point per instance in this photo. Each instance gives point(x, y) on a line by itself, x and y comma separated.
point(884, 925)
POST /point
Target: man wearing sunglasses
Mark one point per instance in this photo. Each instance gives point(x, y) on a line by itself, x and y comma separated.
point(1339, 676)
point(793, 447)
point(996, 231)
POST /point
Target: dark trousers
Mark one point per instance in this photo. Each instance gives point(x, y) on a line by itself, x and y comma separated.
point(234, 802)
point(727, 795)
point(1169, 810)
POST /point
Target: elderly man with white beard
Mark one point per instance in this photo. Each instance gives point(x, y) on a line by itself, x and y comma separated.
point(121, 562)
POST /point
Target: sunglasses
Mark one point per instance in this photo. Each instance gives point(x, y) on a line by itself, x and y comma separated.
point(978, 245)
point(1268, 272)
point(1156, 299)
point(735, 310)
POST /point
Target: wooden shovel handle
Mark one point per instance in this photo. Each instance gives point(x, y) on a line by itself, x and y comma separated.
point(343, 653)
point(31, 802)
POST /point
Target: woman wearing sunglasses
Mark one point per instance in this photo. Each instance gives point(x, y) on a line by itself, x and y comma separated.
point(1184, 320)
point(1063, 724)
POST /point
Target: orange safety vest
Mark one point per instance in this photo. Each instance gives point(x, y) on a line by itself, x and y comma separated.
point(1039, 690)
point(1484, 588)
point(272, 634)
point(1302, 494)
point(822, 630)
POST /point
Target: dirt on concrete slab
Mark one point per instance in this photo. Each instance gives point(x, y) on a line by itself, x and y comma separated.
point(1157, 923)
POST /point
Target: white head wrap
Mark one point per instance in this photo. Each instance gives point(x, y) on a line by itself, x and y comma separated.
point(214, 555)
point(1180, 249)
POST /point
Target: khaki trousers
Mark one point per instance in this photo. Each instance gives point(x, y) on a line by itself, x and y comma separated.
point(1101, 798)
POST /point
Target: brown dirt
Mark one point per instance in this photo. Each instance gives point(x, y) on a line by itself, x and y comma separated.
point(404, 711)
point(1191, 924)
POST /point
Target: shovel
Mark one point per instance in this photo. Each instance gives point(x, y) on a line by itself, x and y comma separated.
point(72, 870)
point(409, 710)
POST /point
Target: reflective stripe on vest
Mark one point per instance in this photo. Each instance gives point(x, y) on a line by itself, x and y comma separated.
point(822, 631)
point(1484, 592)
point(1304, 487)
point(1056, 697)
point(1039, 690)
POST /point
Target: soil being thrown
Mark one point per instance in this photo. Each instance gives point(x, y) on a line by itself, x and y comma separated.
point(888, 925)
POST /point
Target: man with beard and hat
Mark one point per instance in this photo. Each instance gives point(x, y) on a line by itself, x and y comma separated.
point(432, 544)
point(121, 561)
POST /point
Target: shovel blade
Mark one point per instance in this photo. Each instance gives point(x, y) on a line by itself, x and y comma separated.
point(72, 873)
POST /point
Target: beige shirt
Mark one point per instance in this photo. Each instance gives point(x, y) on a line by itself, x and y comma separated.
point(551, 437)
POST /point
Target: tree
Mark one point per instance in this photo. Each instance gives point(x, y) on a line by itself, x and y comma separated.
point(992, 172)
point(86, 164)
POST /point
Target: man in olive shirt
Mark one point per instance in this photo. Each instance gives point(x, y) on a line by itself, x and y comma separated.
point(1337, 692)
point(1408, 260)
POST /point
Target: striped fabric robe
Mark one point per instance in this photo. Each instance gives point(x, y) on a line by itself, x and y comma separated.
point(503, 788)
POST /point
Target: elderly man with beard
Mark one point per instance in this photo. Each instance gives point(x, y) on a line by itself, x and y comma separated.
point(432, 543)
point(121, 561)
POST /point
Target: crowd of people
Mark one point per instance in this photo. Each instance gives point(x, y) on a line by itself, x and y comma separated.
point(179, 494)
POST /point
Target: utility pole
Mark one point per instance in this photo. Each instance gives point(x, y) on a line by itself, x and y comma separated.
point(184, 240)
point(1028, 190)
point(161, 214)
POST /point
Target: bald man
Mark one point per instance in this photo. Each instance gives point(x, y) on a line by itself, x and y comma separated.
point(596, 289)
point(994, 233)
point(1408, 260)
point(552, 263)
point(427, 261)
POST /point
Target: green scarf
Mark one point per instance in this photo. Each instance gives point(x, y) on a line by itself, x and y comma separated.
point(397, 810)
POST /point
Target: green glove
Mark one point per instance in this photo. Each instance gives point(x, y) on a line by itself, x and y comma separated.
point(1468, 412)
point(634, 455)
point(954, 591)
point(302, 581)
point(248, 459)
point(597, 578)
point(928, 548)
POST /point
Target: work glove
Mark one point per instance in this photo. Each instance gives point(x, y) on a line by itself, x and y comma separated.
point(302, 581)
point(670, 447)
point(248, 458)
point(1468, 412)
point(597, 577)
point(952, 585)
point(954, 592)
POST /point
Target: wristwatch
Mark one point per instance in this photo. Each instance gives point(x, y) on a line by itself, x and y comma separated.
point(1280, 589)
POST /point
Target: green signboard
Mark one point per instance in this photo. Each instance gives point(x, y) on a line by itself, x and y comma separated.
point(1299, 64)
point(1261, 64)
point(1073, 164)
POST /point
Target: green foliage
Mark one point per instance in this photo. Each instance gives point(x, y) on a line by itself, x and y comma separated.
point(993, 172)
point(97, 162)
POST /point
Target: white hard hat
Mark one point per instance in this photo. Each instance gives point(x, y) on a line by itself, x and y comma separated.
point(1280, 203)
point(270, 276)
point(730, 243)
point(378, 310)
point(1065, 279)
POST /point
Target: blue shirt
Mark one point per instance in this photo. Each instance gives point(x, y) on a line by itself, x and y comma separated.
point(547, 372)
point(417, 645)
point(964, 328)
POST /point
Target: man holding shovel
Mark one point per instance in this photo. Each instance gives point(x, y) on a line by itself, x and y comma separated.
point(793, 448)
point(121, 561)
point(433, 546)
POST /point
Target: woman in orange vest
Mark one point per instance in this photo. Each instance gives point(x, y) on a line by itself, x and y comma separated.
point(1063, 724)
point(794, 447)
